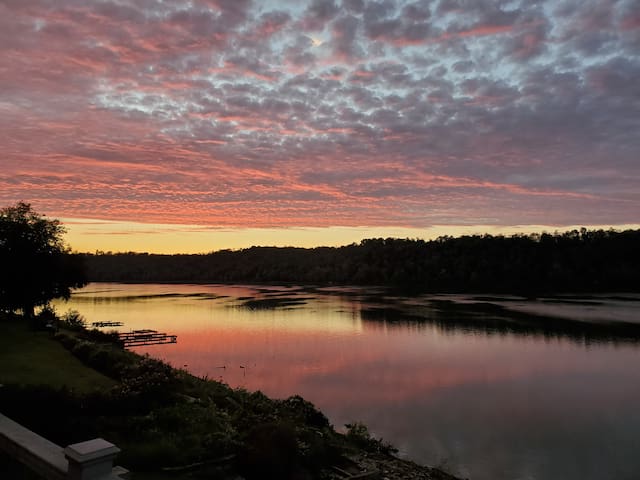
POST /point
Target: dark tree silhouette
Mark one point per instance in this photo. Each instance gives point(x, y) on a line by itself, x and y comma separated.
point(575, 261)
point(35, 263)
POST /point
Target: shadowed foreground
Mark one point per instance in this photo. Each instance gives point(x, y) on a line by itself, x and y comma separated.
point(166, 420)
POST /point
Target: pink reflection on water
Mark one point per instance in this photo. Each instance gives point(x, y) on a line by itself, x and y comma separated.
point(490, 404)
point(380, 364)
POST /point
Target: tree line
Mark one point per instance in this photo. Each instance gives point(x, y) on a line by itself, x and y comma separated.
point(37, 266)
point(574, 261)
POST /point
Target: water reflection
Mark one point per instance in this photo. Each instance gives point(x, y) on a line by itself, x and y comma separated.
point(482, 386)
point(497, 319)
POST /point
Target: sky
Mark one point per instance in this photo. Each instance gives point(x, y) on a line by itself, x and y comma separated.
point(190, 126)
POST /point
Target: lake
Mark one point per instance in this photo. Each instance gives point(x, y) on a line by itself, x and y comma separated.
point(485, 387)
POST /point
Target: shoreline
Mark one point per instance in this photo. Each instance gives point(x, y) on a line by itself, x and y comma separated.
point(148, 388)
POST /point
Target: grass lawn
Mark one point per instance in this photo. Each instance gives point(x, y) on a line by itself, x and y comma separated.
point(34, 358)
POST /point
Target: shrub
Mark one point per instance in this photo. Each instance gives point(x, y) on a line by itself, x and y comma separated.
point(67, 341)
point(271, 452)
point(73, 320)
point(151, 380)
point(305, 411)
point(100, 359)
point(100, 336)
point(151, 454)
point(358, 435)
point(47, 318)
point(318, 448)
point(83, 350)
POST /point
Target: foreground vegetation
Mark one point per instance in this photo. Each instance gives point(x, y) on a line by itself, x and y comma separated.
point(166, 420)
point(30, 357)
point(575, 261)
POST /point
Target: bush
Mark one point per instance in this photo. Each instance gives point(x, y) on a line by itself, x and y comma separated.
point(47, 318)
point(151, 454)
point(83, 350)
point(151, 380)
point(109, 359)
point(73, 320)
point(100, 336)
point(100, 359)
point(318, 449)
point(305, 411)
point(67, 341)
point(271, 452)
point(358, 435)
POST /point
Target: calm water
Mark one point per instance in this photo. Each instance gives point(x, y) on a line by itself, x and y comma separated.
point(487, 388)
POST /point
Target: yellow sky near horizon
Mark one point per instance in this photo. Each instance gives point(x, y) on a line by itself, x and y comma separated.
point(90, 235)
point(269, 123)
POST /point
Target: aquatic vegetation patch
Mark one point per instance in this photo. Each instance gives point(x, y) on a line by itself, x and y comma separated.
point(389, 314)
point(275, 302)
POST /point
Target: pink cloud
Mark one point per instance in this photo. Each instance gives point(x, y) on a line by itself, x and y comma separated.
point(482, 30)
point(631, 22)
point(219, 113)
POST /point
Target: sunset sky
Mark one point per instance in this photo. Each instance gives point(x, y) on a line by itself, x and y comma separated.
point(189, 126)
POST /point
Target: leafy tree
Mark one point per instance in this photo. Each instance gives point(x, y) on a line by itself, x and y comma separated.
point(576, 261)
point(35, 264)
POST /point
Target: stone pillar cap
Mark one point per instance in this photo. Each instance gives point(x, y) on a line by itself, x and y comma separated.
point(91, 450)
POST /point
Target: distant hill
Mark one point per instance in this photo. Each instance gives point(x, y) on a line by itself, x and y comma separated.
point(575, 261)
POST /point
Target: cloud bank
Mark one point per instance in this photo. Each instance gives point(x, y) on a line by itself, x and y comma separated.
point(235, 113)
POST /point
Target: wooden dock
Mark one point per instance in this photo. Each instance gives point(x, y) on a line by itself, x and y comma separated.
point(137, 338)
point(107, 324)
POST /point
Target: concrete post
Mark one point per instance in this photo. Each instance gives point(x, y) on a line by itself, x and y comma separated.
point(90, 460)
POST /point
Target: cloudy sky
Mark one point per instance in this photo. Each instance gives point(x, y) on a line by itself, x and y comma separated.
point(166, 121)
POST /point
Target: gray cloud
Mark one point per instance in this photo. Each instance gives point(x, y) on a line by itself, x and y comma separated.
point(501, 110)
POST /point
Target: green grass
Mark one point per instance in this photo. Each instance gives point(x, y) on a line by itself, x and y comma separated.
point(160, 416)
point(28, 357)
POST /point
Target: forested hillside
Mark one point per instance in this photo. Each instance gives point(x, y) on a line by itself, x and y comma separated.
point(575, 261)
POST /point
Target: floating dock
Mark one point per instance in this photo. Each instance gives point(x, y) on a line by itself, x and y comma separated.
point(107, 324)
point(137, 338)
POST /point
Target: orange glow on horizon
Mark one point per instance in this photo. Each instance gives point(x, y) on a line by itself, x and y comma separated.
point(90, 235)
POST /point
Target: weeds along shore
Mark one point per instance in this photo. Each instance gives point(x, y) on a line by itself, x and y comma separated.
point(169, 422)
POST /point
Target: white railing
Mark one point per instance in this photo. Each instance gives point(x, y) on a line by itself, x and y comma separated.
point(91, 460)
